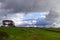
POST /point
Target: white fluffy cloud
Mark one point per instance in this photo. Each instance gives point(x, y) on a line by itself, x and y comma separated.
point(17, 18)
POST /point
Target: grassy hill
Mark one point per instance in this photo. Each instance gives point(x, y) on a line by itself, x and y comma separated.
point(31, 33)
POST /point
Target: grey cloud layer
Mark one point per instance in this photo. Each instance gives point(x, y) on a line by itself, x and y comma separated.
point(26, 5)
point(54, 15)
point(13, 6)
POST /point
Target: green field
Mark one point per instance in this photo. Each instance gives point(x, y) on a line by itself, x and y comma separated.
point(31, 33)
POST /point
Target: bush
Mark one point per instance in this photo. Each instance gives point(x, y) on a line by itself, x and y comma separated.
point(3, 35)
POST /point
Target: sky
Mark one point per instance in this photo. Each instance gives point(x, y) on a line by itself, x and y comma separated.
point(35, 15)
point(17, 9)
point(31, 18)
point(19, 17)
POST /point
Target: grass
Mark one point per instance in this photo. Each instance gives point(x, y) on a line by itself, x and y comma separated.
point(32, 33)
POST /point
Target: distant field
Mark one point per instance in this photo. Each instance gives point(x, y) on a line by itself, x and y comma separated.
point(32, 33)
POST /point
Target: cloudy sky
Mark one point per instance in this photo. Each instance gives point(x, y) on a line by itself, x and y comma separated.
point(27, 9)
point(17, 10)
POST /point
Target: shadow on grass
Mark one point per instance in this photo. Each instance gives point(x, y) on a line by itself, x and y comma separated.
point(3, 35)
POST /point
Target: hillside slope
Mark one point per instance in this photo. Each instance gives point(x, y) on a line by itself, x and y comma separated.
point(31, 34)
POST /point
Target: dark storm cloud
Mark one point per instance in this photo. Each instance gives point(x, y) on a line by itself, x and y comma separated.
point(15, 6)
point(26, 5)
point(2, 0)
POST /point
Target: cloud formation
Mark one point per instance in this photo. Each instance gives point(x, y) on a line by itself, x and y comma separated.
point(25, 5)
point(16, 6)
point(54, 15)
point(12, 7)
